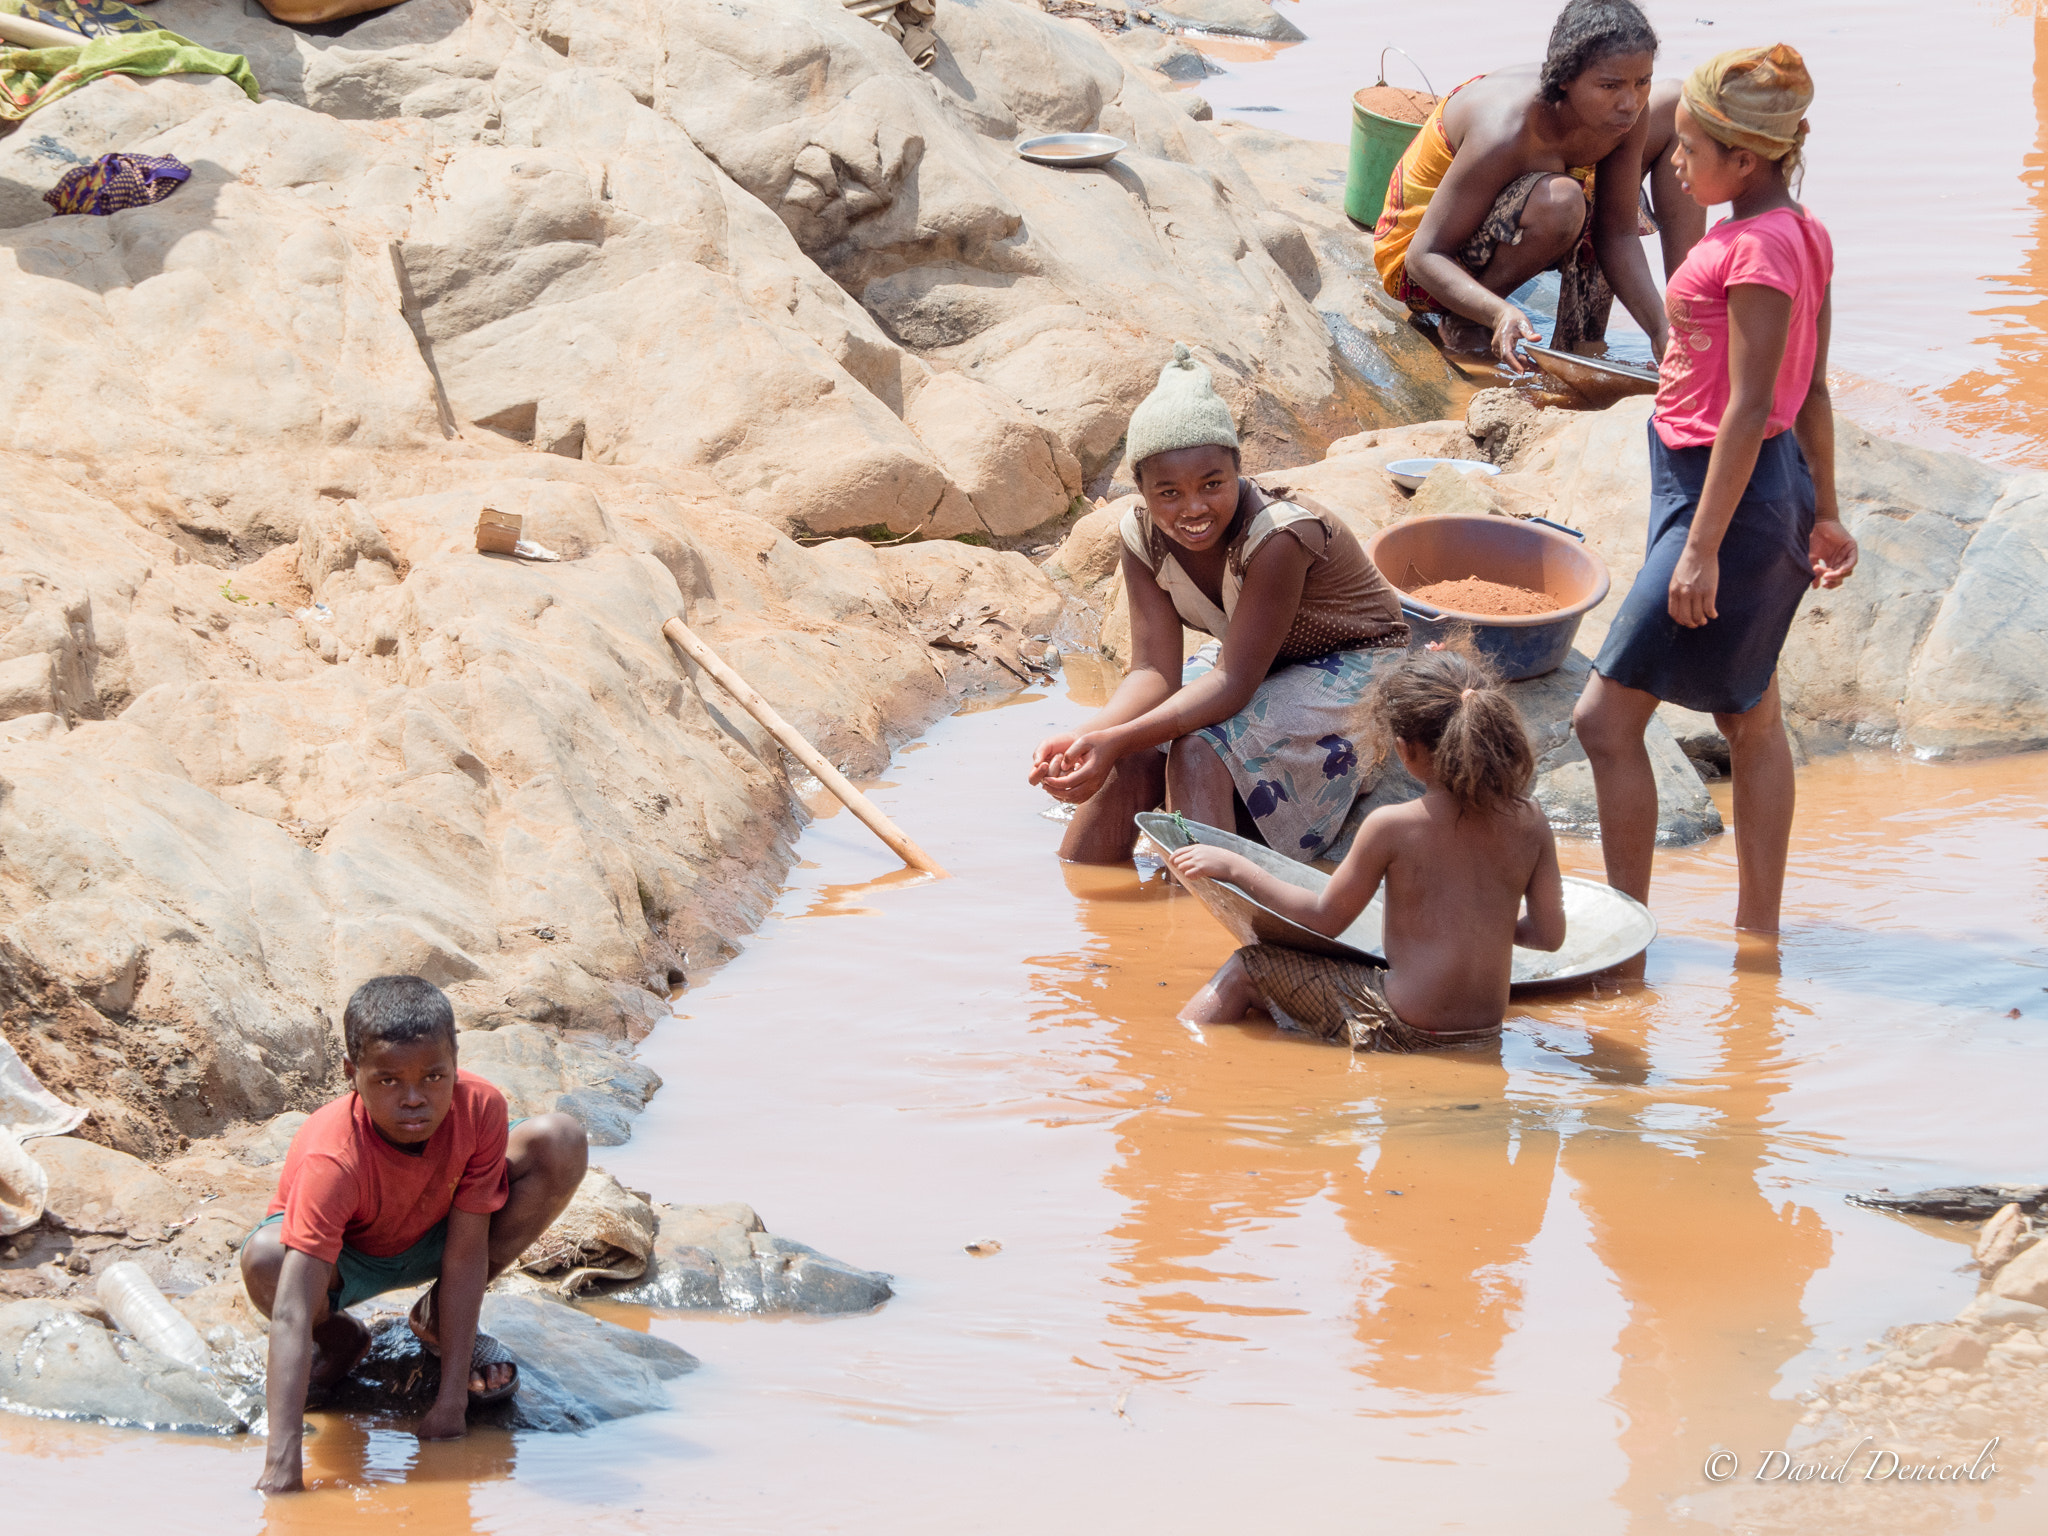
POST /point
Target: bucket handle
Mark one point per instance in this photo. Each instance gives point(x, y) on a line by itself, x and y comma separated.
point(1560, 527)
point(1406, 55)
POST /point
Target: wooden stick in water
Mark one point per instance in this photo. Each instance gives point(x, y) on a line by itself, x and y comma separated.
point(800, 749)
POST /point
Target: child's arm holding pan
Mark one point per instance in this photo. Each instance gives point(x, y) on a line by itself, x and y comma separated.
point(1542, 925)
point(1329, 911)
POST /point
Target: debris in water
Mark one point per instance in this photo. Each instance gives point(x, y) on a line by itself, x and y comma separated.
point(985, 1247)
point(1968, 1202)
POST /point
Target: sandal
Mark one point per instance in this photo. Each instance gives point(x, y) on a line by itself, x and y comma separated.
point(484, 1352)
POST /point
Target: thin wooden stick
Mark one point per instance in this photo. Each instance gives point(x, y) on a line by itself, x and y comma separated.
point(800, 749)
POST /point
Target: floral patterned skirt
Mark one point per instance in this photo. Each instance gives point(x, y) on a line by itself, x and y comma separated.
point(1302, 751)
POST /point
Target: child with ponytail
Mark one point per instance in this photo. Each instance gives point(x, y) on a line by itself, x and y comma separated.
point(1459, 866)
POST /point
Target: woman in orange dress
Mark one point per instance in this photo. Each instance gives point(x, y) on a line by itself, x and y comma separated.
point(1532, 168)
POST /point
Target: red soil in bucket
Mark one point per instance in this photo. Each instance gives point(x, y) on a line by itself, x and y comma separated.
point(1489, 599)
point(1393, 102)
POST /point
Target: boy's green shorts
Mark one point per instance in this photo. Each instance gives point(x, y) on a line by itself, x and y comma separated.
point(359, 1276)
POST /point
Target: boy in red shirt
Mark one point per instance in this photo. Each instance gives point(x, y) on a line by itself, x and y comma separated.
point(414, 1176)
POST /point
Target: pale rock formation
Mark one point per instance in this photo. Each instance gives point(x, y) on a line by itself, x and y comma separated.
point(96, 1190)
point(540, 1073)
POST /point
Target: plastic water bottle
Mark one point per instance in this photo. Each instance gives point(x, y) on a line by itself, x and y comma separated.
point(133, 1301)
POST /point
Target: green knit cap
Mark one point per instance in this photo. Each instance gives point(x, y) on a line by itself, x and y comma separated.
point(1183, 412)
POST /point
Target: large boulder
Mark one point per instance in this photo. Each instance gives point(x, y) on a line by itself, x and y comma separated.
point(96, 1190)
point(1979, 680)
point(405, 778)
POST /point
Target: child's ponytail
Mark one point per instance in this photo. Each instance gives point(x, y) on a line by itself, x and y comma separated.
point(1448, 701)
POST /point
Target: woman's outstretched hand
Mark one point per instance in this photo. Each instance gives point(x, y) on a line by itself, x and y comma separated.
point(1045, 761)
point(1079, 769)
point(1693, 586)
point(1509, 332)
point(1833, 551)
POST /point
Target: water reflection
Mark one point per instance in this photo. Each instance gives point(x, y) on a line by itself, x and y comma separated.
point(357, 1471)
point(1207, 1292)
point(2002, 405)
point(1647, 1109)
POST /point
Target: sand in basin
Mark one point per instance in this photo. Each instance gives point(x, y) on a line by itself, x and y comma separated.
point(1391, 101)
point(1493, 599)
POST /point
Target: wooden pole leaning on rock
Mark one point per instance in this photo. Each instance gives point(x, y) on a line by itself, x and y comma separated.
point(800, 749)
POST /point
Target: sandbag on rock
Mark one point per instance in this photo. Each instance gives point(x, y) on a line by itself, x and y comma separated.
point(721, 1258)
point(27, 1108)
point(23, 1187)
point(56, 1363)
point(606, 1233)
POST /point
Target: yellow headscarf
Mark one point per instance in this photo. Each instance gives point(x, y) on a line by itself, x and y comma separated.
point(1753, 99)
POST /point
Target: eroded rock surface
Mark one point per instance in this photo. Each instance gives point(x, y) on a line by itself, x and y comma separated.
point(670, 284)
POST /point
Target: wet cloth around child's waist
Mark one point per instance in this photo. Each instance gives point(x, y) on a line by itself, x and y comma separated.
point(1340, 1000)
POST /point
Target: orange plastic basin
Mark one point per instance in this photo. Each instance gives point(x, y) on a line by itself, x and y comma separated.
point(1539, 557)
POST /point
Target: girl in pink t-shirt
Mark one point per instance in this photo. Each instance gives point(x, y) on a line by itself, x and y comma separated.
point(1743, 516)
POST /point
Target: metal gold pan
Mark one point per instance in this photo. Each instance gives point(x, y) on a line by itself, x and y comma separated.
point(1602, 926)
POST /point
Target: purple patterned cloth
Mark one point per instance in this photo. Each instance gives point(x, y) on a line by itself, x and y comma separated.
point(114, 182)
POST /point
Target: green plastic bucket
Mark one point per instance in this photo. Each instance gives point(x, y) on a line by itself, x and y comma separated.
point(1377, 144)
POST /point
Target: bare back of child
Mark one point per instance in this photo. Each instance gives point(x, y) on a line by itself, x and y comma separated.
point(1470, 871)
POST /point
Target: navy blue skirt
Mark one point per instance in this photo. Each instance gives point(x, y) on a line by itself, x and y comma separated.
point(1724, 666)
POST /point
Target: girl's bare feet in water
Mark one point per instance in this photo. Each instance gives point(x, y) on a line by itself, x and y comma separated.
point(339, 1344)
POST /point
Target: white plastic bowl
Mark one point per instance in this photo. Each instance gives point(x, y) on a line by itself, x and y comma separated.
point(1410, 473)
point(1072, 151)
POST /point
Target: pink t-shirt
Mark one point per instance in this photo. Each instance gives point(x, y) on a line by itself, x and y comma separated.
point(1785, 249)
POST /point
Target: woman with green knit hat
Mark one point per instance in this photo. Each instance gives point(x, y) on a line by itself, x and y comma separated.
point(1278, 725)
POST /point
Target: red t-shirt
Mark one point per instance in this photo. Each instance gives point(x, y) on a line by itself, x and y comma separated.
point(345, 1184)
point(1786, 249)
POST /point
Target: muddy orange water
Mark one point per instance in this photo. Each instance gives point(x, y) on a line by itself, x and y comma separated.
point(1249, 1282)
point(1928, 161)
